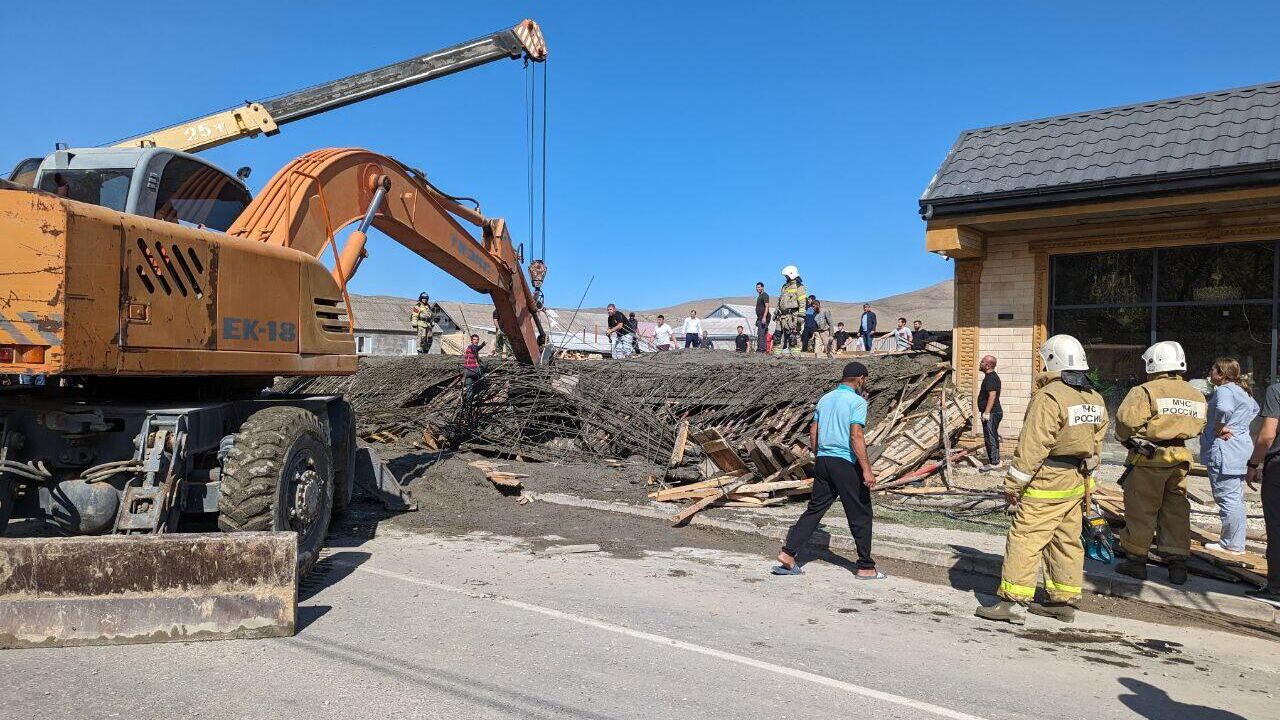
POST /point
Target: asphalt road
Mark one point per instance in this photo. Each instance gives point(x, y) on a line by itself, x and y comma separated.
point(420, 625)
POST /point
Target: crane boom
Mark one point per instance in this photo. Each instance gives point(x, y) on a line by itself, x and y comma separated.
point(266, 116)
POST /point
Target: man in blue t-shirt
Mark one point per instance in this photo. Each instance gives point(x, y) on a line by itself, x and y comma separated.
point(841, 469)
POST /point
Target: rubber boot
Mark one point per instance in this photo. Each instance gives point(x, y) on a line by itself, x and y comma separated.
point(1003, 611)
point(1134, 567)
point(1063, 612)
point(1177, 570)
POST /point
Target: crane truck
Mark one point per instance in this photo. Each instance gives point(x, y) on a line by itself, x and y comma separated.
point(146, 300)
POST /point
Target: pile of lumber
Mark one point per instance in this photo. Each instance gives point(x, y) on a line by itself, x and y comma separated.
point(755, 472)
point(1249, 568)
point(779, 473)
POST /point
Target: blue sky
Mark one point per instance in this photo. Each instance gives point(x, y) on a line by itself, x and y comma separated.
point(695, 147)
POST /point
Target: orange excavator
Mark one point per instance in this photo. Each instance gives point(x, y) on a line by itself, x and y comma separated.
point(145, 302)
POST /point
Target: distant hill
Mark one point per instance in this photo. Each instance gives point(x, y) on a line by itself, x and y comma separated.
point(932, 305)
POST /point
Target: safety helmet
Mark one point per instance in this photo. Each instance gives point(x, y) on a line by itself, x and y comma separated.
point(1165, 356)
point(791, 272)
point(423, 297)
point(1063, 352)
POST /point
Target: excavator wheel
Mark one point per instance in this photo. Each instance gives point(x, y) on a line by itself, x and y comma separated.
point(278, 475)
point(344, 456)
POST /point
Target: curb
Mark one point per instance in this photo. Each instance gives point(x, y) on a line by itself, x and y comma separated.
point(1098, 581)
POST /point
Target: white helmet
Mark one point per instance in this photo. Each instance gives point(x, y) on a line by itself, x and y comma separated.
point(1063, 352)
point(1165, 356)
point(791, 272)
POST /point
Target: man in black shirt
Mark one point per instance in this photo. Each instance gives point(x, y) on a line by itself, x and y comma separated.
point(620, 329)
point(741, 341)
point(919, 336)
point(841, 337)
point(989, 406)
point(762, 318)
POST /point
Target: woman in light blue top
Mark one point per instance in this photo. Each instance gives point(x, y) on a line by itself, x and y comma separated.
point(1225, 448)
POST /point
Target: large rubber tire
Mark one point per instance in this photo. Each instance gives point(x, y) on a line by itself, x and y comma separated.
point(278, 475)
point(344, 456)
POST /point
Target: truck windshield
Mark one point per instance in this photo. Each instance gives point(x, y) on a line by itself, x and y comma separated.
point(108, 187)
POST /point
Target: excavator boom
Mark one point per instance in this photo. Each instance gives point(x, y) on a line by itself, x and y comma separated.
point(266, 116)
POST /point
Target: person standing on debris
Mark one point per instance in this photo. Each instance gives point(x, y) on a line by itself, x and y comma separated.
point(821, 329)
point(1049, 482)
point(1264, 466)
point(810, 324)
point(741, 342)
point(705, 342)
point(662, 334)
point(867, 326)
point(762, 318)
point(635, 332)
point(902, 336)
point(472, 371)
point(619, 329)
point(791, 304)
point(1154, 422)
point(920, 337)
point(841, 336)
point(1225, 447)
point(841, 469)
point(989, 407)
point(692, 330)
point(423, 321)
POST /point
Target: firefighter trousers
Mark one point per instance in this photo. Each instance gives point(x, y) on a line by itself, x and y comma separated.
point(1156, 507)
point(1048, 533)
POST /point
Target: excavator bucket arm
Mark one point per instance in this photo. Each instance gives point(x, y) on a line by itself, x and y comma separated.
point(313, 198)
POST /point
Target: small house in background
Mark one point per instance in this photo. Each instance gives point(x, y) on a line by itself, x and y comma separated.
point(382, 325)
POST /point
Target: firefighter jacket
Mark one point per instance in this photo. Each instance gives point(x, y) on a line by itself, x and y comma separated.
point(1061, 434)
point(1167, 411)
point(421, 314)
point(792, 297)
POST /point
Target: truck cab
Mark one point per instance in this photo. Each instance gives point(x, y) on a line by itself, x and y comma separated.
point(151, 182)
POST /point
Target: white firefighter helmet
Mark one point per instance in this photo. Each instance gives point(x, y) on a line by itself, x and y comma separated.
point(1063, 352)
point(791, 272)
point(1165, 356)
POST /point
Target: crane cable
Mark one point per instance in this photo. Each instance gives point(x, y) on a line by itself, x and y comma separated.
point(536, 186)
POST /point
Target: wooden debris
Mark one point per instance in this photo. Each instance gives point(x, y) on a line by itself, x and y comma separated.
point(498, 477)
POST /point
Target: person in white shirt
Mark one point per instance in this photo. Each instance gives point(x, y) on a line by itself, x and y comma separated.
point(692, 330)
point(662, 334)
point(902, 336)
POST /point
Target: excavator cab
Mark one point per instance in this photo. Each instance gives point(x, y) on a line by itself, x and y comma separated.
point(150, 182)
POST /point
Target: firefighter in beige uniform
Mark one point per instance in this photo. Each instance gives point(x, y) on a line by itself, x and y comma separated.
point(1155, 421)
point(1048, 481)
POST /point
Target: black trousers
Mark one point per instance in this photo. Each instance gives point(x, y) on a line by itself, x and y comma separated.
point(1271, 518)
point(991, 436)
point(762, 337)
point(836, 477)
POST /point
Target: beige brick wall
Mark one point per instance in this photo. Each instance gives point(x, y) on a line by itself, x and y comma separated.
point(1008, 286)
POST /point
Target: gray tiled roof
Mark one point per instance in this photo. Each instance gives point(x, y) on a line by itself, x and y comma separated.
point(1219, 133)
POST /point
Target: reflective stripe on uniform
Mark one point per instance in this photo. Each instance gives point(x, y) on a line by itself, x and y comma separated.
point(1018, 475)
point(1051, 585)
point(1017, 590)
point(1077, 491)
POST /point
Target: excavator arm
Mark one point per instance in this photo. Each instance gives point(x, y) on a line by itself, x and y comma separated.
point(266, 116)
point(314, 197)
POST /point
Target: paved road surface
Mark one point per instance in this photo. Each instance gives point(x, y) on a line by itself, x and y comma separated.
point(482, 626)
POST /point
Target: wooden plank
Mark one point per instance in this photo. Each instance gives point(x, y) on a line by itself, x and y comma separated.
point(682, 440)
point(779, 485)
point(683, 516)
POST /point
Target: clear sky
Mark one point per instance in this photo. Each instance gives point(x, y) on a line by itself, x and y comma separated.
point(695, 147)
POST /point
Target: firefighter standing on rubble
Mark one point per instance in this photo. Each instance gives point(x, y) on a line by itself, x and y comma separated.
point(1155, 421)
point(1049, 482)
point(423, 323)
point(791, 305)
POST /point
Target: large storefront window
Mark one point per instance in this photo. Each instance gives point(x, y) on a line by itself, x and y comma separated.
point(1217, 301)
